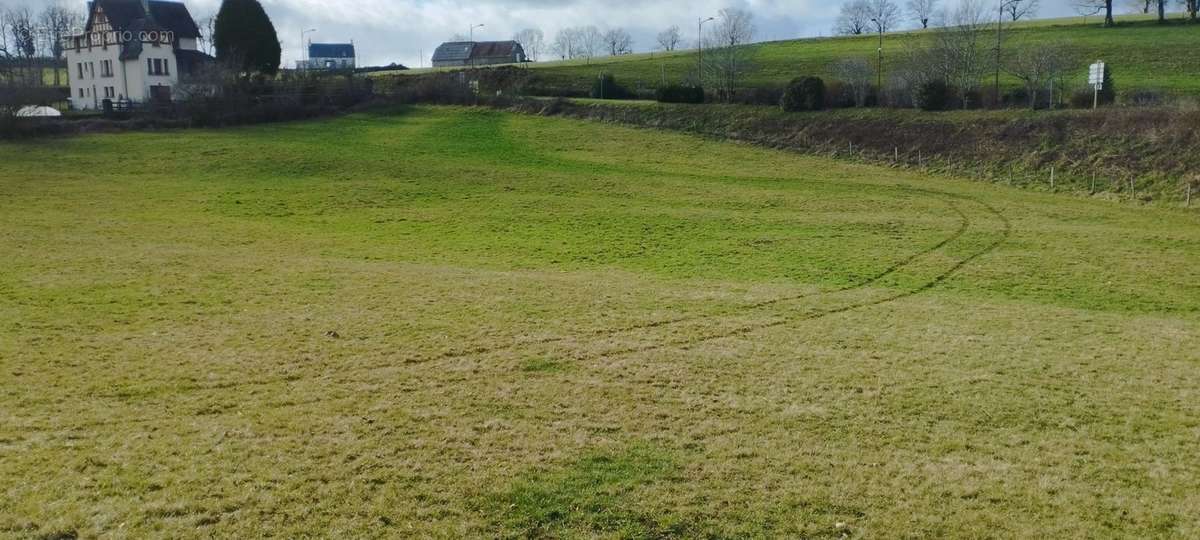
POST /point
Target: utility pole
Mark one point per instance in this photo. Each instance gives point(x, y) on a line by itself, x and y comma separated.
point(472, 34)
point(999, 27)
point(700, 49)
point(304, 47)
point(879, 62)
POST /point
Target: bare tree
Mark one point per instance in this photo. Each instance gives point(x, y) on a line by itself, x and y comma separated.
point(591, 42)
point(618, 42)
point(1139, 6)
point(59, 23)
point(884, 14)
point(859, 76)
point(668, 40)
point(922, 11)
point(1039, 65)
point(5, 51)
point(532, 41)
point(1019, 9)
point(959, 51)
point(566, 43)
point(23, 33)
point(854, 18)
point(1192, 7)
point(1092, 7)
point(727, 54)
point(208, 25)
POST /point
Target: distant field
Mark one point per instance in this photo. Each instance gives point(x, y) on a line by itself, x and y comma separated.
point(450, 322)
point(48, 77)
point(1141, 53)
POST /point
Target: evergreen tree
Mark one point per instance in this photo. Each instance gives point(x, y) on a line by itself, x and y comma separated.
point(245, 39)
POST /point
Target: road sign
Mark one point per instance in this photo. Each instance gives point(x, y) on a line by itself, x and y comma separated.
point(1096, 75)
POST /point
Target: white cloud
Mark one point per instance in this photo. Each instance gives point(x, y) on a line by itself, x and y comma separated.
point(406, 31)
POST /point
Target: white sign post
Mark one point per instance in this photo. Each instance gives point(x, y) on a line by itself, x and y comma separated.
point(1096, 79)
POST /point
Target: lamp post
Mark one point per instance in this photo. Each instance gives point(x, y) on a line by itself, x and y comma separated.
point(700, 48)
point(473, 27)
point(999, 26)
point(879, 62)
point(303, 48)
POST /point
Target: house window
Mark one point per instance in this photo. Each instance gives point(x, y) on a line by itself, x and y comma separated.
point(106, 68)
point(157, 66)
point(80, 70)
point(80, 92)
point(149, 66)
point(166, 67)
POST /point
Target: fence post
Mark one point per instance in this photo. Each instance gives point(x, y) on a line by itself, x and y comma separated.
point(1052, 178)
point(1188, 202)
point(1093, 192)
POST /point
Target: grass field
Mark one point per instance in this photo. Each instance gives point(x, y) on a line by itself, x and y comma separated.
point(1138, 50)
point(448, 322)
point(48, 77)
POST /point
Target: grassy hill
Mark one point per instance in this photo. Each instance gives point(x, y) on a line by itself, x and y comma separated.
point(466, 323)
point(1143, 55)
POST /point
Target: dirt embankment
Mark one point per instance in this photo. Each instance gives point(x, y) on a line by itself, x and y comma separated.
point(1143, 154)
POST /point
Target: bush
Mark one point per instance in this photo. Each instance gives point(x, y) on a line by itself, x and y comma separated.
point(677, 93)
point(838, 95)
point(804, 94)
point(933, 95)
point(1108, 93)
point(606, 87)
point(758, 96)
point(1145, 98)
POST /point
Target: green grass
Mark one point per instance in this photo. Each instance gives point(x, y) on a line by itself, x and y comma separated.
point(453, 322)
point(1142, 54)
point(48, 77)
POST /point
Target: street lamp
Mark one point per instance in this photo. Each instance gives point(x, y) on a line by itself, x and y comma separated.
point(303, 49)
point(473, 27)
point(700, 48)
point(999, 26)
point(879, 63)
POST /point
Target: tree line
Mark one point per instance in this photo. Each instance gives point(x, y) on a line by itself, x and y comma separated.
point(29, 38)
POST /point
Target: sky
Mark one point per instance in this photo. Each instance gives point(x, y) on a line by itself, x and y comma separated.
point(407, 31)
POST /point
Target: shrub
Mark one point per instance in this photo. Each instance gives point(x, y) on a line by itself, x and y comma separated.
point(1145, 98)
point(933, 95)
point(1108, 93)
point(677, 93)
point(606, 87)
point(804, 94)
point(758, 96)
point(839, 95)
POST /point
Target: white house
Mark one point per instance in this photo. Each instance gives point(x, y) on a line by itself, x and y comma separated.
point(329, 56)
point(132, 50)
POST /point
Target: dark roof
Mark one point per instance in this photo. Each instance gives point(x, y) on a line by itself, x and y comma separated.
point(331, 50)
point(453, 51)
point(456, 51)
point(174, 17)
point(188, 60)
point(129, 15)
point(492, 49)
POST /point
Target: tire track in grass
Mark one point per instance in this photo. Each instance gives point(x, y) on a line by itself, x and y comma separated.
point(965, 224)
point(787, 320)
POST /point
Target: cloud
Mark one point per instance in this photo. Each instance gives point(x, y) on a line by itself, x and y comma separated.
point(407, 31)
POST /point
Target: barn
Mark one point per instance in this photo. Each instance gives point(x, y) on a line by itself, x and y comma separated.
point(478, 53)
